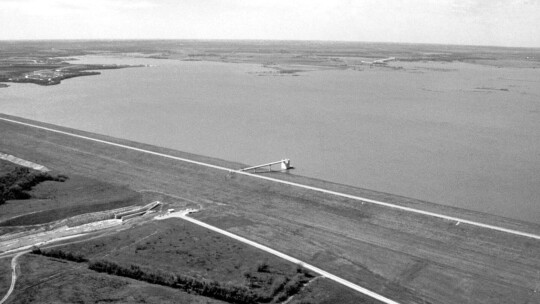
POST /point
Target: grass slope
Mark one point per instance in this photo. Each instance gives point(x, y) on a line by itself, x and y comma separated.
point(50, 201)
point(48, 280)
point(407, 257)
point(178, 248)
point(16, 181)
point(5, 275)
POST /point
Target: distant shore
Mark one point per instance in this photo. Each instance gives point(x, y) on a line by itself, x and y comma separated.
point(35, 61)
point(48, 74)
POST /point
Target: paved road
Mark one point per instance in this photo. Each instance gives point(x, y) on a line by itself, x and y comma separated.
point(13, 276)
point(362, 199)
point(183, 215)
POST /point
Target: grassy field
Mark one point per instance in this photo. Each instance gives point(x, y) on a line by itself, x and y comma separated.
point(176, 245)
point(16, 181)
point(317, 292)
point(53, 200)
point(172, 245)
point(49, 280)
point(407, 257)
point(5, 275)
point(6, 167)
point(179, 247)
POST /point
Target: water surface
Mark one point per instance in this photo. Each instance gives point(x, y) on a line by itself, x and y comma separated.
point(458, 134)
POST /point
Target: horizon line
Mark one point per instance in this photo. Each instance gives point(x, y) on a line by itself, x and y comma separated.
point(265, 40)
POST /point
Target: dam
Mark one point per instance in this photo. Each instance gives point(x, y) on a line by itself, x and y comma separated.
point(398, 248)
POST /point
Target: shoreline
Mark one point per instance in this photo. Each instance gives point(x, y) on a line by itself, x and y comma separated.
point(449, 154)
point(404, 256)
point(289, 176)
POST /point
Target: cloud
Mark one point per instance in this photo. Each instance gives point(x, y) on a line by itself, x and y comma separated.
point(500, 22)
point(55, 8)
point(120, 4)
point(476, 7)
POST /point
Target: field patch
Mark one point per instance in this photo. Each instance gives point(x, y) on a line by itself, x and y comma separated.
point(5, 275)
point(324, 291)
point(34, 198)
point(50, 280)
point(182, 249)
point(16, 181)
point(187, 257)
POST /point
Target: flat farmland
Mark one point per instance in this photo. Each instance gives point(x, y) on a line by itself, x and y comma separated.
point(5, 274)
point(48, 280)
point(407, 257)
point(57, 200)
point(179, 247)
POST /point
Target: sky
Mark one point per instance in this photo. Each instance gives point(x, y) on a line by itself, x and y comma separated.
point(471, 22)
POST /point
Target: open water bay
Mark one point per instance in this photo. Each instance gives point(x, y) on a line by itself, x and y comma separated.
point(457, 134)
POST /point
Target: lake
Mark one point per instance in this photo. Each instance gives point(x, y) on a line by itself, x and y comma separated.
point(458, 134)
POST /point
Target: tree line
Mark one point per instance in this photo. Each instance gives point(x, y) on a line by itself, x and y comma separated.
point(16, 183)
point(209, 288)
point(281, 288)
point(60, 254)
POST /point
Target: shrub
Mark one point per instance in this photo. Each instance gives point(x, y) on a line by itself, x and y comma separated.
point(2, 190)
point(36, 250)
point(210, 288)
point(14, 184)
point(61, 178)
point(301, 269)
point(60, 254)
point(294, 285)
point(262, 266)
point(278, 285)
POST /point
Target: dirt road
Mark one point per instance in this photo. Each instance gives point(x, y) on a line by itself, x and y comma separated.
point(14, 266)
point(183, 215)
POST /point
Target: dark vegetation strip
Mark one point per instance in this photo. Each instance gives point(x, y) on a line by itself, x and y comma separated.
point(208, 288)
point(281, 289)
point(60, 254)
point(15, 183)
